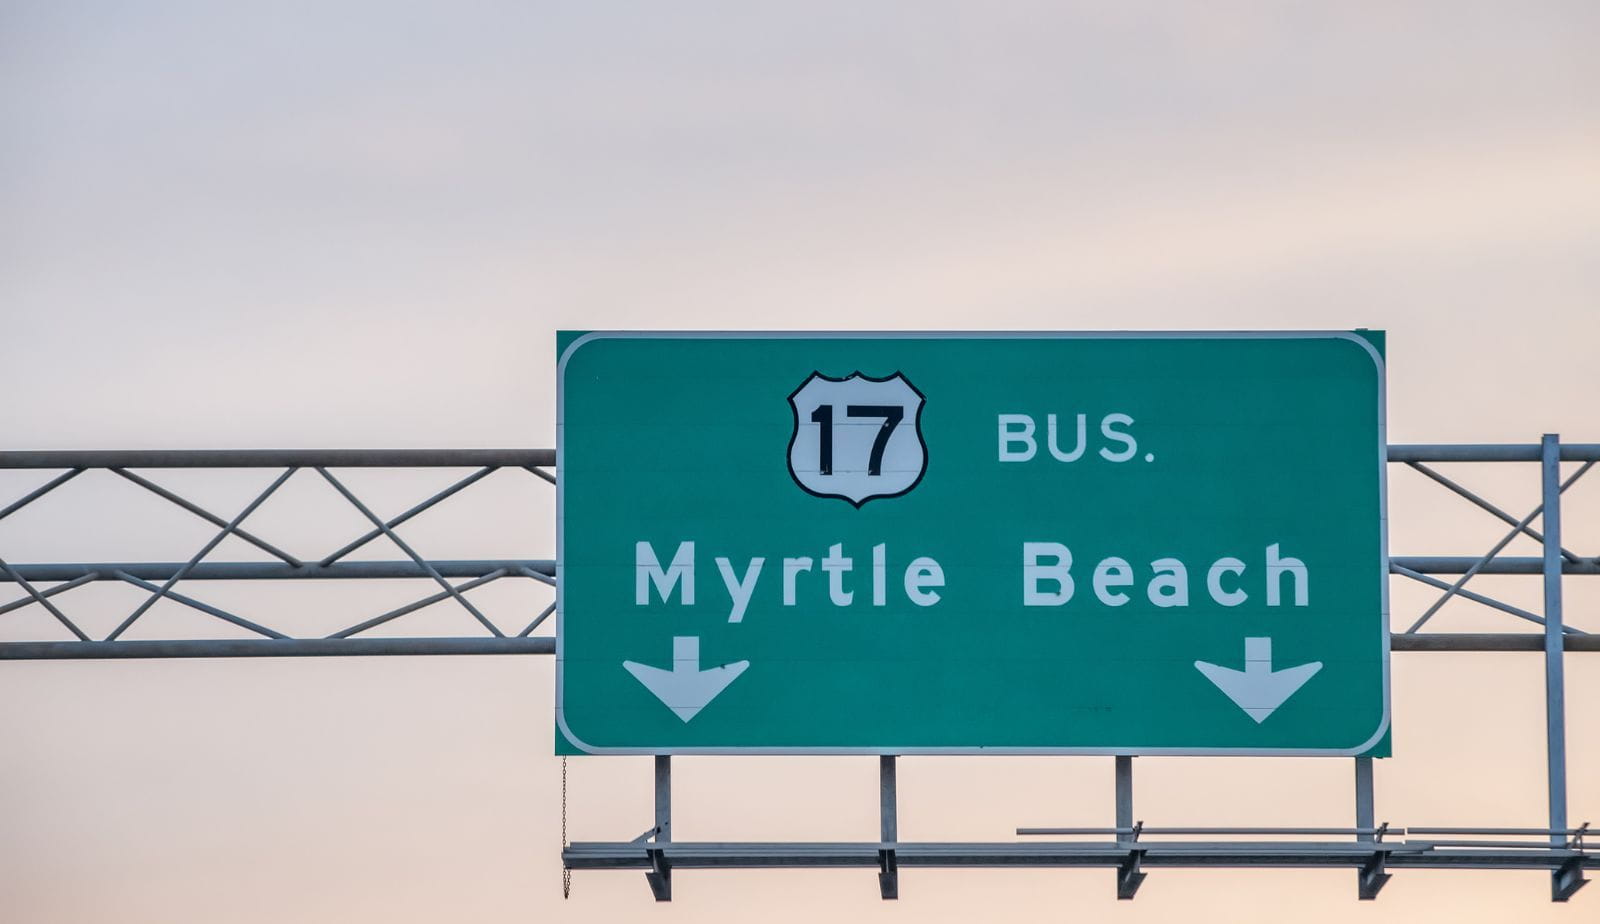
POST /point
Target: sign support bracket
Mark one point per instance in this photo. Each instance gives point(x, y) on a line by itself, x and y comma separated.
point(888, 829)
point(660, 875)
point(1129, 875)
point(1372, 877)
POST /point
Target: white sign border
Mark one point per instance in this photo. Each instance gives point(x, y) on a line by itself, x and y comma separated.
point(1383, 533)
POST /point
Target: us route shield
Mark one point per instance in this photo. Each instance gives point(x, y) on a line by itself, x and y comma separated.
point(857, 438)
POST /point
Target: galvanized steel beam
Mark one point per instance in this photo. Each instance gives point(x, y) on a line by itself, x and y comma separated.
point(358, 647)
point(275, 458)
point(1488, 452)
point(277, 571)
point(1486, 641)
point(1193, 855)
point(1460, 564)
point(433, 458)
point(274, 648)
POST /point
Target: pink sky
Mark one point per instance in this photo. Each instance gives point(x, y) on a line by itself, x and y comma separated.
point(315, 225)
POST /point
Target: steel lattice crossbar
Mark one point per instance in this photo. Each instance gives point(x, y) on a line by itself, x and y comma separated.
point(1129, 847)
point(42, 584)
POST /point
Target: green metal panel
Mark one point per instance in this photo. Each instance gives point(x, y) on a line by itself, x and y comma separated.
point(1265, 448)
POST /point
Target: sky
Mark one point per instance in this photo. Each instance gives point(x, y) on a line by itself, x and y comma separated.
point(360, 224)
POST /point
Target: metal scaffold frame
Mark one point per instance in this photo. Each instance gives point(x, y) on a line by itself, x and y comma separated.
point(1129, 847)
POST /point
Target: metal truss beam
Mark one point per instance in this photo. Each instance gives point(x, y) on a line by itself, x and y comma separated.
point(1130, 851)
point(453, 579)
point(55, 579)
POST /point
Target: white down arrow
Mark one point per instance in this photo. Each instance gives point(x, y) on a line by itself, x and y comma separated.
point(686, 689)
point(1258, 689)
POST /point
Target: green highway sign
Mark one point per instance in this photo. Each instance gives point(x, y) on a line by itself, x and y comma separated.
point(948, 543)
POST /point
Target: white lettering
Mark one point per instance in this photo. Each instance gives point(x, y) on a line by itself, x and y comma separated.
point(1170, 586)
point(647, 571)
point(791, 568)
point(1296, 569)
point(1125, 439)
point(1009, 435)
point(837, 567)
point(921, 574)
point(1112, 572)
point(740, 589)
point(1055, 449)
point(1034, 573)
point(1214, 582)
point(879, 576)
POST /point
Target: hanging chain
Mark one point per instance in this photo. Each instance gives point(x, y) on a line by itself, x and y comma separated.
point(566, 874)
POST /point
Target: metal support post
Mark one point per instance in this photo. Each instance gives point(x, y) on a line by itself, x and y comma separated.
point(1372, 877)
point(660, 875)
point(1564, 881)
point(888, 830)
point(1129, 876)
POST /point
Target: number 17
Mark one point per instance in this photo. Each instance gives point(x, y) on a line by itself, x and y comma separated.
point(891, 414)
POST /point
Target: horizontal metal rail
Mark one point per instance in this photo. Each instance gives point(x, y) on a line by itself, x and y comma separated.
point(360, 646)
point(1463, 564)
point(431, 458)
point(274, 458)
point(364, 570)
point(1143, 830)
point(1486, 641)
point(1519, 832)
point(1214, 854)
point(277, 571)
point(1488, 452)
point(274, 648)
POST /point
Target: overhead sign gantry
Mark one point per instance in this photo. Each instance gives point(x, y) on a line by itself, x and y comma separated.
point(1129, 845)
